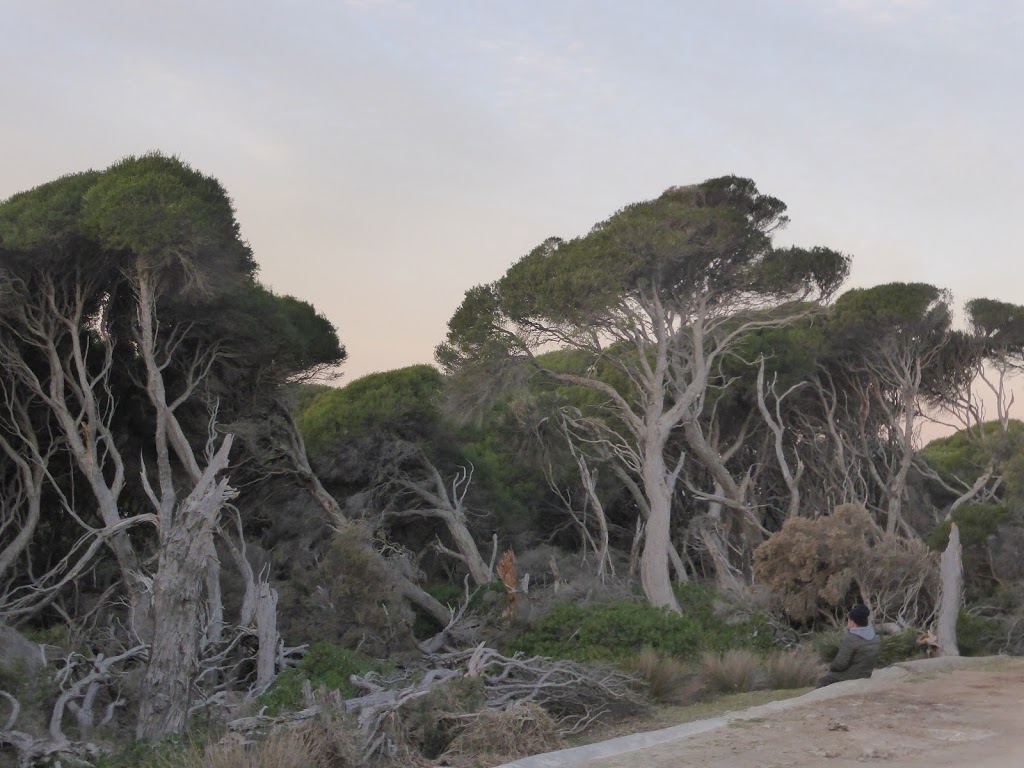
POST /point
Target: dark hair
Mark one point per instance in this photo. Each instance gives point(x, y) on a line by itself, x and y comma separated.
point(859, 615)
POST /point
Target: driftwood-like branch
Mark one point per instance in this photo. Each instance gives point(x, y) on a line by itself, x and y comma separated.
point(32, 750)
point(574, 694)
point(80, 695)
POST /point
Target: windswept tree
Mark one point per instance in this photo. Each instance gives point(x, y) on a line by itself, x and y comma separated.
point(121, 341)
point(662, 291)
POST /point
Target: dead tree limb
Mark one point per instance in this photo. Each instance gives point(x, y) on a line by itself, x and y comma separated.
point(951, 573)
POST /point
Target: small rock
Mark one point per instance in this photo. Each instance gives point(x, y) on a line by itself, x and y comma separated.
point(17, 651)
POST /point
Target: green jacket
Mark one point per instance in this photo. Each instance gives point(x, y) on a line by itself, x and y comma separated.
point(858, 654)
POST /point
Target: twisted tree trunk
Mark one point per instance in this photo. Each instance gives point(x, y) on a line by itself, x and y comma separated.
point(951, 573)
point(177, 602)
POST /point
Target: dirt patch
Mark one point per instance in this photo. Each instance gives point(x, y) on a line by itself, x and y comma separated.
point(965, 717)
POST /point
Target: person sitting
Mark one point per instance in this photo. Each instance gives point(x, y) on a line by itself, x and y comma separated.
point(859, 650)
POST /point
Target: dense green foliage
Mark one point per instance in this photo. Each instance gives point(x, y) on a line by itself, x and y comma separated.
point(981, 635)
point(324, 665)
point(618, 631)
point(965, 454)
point(402, 403)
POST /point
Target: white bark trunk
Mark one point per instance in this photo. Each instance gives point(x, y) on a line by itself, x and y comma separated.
point(266, 626)
point(177, 603)
point(951, 573)
point(727, 577)
point(654, 571)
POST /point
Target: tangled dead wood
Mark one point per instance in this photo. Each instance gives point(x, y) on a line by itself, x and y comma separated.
point(574, 695)
point(31, 749)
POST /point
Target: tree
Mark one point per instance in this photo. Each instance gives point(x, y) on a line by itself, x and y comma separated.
point(894, 357)
point(405, 461)
point(117, 360)
point(661, 291)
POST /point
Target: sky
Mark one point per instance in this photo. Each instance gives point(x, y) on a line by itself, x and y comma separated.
point(384, 156)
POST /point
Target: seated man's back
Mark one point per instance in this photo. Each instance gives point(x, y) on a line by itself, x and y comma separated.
point(858, 652)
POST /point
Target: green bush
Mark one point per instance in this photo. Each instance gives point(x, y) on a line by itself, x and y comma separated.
point(618, 631)
point(324, 665)
point(826, 645)
point(901, 646)
point(978, 635)
point(609, 632)
point(724, 626)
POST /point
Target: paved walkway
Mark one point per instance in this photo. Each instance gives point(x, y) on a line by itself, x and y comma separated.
point(651, 749)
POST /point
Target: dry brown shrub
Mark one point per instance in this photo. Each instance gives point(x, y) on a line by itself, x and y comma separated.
point(730, 672)
point(349, 599)
point(300, 748)
point(427, 724)
point(494, 736)
point(330, 741)
point(668, 679)
point(796, 668)
point(813, 566)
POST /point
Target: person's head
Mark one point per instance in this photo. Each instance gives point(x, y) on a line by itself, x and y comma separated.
point(858, 616)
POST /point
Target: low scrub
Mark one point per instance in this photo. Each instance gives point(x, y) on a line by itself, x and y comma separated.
point(669, 680)
point(493, 736)
point(427, 725)
point(618, 631)
point(981, 635)
point(730, 672)
point(796, 668)
point(311, 746)
point(325, 665)
point(902, 646)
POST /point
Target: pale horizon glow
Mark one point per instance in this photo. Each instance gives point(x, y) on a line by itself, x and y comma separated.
point(386, 155)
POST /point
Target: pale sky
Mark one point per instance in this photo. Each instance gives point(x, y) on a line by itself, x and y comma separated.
point(386, 155)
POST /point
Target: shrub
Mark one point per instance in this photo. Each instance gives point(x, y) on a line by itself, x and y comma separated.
point(668, 679)
point(348, 599)
point(521, 730)
point(901, 646)
point(797, 668)
point(36, 691)
point(812, 566)
point(609, 632)
point(324, 665)
point(979, 635)
point(724, 624)
point(730, 672)
point(826, 645)
point(619, 631)
point(429, 724)
point(307, 747)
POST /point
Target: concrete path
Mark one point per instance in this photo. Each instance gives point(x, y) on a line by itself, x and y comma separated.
point(881, 680)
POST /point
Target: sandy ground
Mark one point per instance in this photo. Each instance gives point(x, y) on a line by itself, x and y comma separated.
point(963, 718)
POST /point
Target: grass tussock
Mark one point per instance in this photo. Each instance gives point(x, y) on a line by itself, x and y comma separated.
point(322, 744)
point(521, 730)
point(730, 672)
point(669, 680)
point(798, 668)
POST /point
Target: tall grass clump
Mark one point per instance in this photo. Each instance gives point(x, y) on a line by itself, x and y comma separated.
point(734, 671)
point(669, 680)
point(798, 668)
